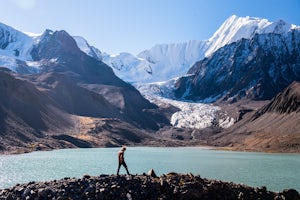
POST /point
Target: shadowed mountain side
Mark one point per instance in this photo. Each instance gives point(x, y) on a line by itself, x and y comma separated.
point(274, 127)
point(98, 100)
point(72, 98)
point(26, 113)
point(286, 102)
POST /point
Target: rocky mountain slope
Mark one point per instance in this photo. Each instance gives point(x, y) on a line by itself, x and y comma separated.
point(256, 68)
point(274, 127)
point(26, 113)
point(285, 102)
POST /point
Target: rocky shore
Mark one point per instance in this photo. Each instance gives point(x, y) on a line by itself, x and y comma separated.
point(146, 186)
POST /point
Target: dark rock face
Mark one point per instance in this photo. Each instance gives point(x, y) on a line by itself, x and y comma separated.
point(258, 69)
point(285, 102)
point(4, 35)
point(56, 44)
point(170, 186)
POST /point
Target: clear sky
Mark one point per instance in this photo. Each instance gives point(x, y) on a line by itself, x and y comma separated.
point(115, 26)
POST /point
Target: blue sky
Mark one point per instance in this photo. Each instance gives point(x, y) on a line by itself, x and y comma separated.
point(116, 26)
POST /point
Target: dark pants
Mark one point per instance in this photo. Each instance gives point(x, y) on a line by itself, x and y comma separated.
point(124, 164)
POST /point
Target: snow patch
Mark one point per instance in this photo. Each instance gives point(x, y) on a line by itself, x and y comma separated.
point(84, 46)
point(30, 34)
point(33, 64)
point(8, 62)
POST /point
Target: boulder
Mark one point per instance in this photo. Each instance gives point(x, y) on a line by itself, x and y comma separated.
point(152, 173)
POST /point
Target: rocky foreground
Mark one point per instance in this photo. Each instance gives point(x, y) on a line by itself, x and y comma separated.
point(170, 186)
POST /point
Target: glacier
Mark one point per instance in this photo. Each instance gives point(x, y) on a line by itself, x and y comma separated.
point(191, 114)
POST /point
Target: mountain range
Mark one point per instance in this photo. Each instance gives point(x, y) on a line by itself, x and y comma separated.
point(60, 91)
point(166, 61)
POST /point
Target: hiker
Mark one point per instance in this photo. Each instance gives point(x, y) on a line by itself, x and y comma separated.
point(121, 160)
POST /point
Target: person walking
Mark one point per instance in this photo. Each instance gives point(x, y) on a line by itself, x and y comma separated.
point(122, 160)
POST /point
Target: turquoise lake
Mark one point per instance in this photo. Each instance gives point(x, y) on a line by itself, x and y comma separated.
point(275, 171)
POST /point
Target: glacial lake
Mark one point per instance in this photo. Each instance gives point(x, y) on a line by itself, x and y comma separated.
point(275, 171)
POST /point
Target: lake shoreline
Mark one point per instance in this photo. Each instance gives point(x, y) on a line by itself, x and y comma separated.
point(145, 186)
point(22, 150)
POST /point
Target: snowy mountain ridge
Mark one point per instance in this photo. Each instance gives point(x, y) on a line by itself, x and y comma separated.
point(16, 49)
point(166, 61)
point(160, 63)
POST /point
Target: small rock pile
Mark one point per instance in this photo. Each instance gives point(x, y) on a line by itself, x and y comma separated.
point(170, 186)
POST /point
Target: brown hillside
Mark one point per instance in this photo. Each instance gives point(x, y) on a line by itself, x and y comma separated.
point(275, 127)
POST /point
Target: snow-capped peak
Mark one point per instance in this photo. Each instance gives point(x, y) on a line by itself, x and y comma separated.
point(236, 28)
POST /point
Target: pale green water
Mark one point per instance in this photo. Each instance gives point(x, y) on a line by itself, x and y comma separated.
point(276, 171)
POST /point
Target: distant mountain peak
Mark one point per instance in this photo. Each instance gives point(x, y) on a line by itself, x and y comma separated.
point(234, 29)
point(54, 44)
